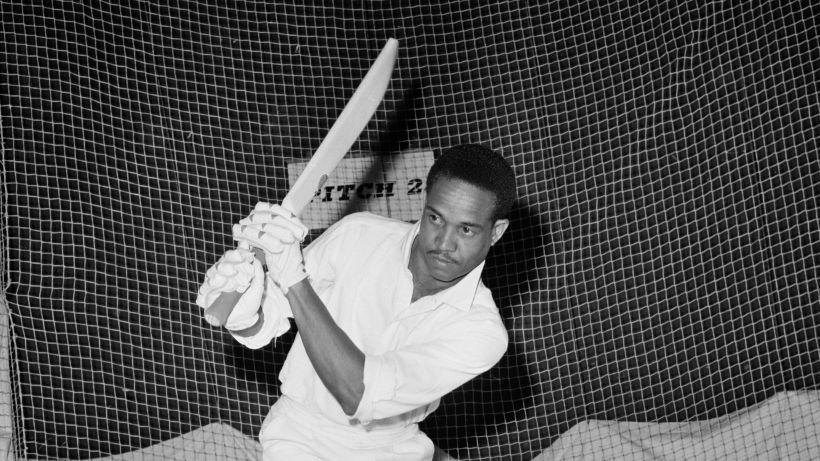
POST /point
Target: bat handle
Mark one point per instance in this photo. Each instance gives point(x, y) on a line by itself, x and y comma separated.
point(218, 312)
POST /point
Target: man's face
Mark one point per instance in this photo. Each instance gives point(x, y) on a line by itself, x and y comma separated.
point(456, 232)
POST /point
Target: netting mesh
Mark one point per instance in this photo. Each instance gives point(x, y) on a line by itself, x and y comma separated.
point(661, 265)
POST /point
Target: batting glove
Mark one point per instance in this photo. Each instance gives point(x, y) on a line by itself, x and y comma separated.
point(237, 271)
point(279, 234)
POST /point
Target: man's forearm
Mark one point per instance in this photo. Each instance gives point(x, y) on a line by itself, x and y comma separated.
point(336, 359)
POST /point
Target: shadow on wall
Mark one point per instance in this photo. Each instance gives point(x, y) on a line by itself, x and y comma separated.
point(471, 412)
point(389, 143)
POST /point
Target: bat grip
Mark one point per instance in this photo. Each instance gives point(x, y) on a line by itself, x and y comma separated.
point(219, 311)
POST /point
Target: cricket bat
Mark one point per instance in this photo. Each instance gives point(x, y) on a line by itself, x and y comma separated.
point(348, 126)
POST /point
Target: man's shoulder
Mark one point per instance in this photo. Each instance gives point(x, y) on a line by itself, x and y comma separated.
point(368, 222)
point(483, 299)
point(358, 236)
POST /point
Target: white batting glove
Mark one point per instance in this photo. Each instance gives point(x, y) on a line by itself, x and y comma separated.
point(273, 320)
point(286, 268)
point(237, 271)
point(279, 234)
point(276, 308)
point(274, 227)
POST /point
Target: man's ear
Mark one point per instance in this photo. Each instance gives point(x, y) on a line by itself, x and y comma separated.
point(498, 229)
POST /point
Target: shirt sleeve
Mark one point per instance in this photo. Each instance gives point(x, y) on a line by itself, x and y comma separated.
point(321, 255)
point(417, 374)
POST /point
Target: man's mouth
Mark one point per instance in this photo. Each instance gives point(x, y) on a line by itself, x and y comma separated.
point(442, 258)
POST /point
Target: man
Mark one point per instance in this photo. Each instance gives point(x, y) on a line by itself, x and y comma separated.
point(391, 316)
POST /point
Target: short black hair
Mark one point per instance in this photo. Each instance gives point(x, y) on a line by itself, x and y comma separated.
point(481, 167)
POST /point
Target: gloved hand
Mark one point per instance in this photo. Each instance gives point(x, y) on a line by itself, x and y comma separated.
point(238, 270)
point(276, 309)
point(273, 319)
point(279, 234)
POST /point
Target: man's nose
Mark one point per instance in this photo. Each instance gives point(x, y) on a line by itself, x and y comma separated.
point(446, 240)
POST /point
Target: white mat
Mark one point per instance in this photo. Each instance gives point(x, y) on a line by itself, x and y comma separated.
point(6, 452)
point(784, 427)
point(214, 442)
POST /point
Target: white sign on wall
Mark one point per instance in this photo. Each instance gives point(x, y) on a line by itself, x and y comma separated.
point(388, 185)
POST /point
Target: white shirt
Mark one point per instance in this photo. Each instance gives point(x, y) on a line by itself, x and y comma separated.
point(415, 352)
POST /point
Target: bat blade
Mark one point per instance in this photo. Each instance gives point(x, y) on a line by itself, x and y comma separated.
point(344, 132)
point(348, 126)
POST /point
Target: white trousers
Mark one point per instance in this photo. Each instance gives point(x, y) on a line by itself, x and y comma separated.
point(290, 433)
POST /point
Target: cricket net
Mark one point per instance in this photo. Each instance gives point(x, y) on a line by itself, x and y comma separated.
point(661, 266)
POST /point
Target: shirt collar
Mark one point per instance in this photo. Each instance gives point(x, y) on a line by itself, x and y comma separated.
point(460, 295)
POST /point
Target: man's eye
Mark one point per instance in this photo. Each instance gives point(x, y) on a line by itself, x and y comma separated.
point(467, 230)
point(434, 218)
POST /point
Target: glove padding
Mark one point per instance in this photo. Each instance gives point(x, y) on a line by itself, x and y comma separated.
point(237, 271)
point(273, 319)
point(279, 234)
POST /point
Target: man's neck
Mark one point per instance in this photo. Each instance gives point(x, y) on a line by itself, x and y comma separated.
point(420, 291)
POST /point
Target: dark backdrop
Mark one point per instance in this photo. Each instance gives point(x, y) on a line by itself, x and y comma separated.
point(661, 264)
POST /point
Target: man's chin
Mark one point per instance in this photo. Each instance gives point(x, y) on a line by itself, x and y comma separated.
point(445, 276)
